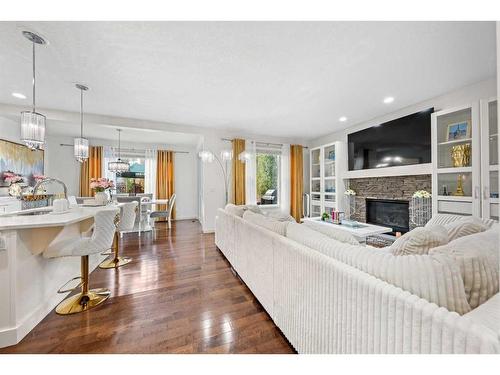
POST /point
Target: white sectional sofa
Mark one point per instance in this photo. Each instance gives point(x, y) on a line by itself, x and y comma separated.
point(324, 305)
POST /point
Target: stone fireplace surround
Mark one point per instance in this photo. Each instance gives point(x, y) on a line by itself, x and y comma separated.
point(394, 187)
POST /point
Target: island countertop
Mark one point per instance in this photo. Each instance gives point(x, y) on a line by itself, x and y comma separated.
point(25, 220)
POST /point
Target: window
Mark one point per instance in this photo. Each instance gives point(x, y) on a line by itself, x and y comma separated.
point(268, 166)
point(131, 182)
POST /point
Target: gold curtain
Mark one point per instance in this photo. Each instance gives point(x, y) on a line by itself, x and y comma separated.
point(165, 178)
point(90, 168)
point(296, 181)
point(238, 173)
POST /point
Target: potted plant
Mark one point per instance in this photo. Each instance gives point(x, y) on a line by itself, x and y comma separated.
point(100, 185)
point(325, 216)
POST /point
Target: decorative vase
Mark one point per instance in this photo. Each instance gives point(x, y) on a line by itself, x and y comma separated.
point(101, 197)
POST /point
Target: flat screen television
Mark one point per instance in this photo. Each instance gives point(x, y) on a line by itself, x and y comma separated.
point(404, 141)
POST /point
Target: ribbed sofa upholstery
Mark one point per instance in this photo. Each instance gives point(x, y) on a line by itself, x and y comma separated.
point(323, 305)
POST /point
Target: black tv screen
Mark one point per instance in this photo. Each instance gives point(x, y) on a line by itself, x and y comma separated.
point(404, 141)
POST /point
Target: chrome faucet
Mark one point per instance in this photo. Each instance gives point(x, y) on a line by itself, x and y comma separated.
point(47, 180)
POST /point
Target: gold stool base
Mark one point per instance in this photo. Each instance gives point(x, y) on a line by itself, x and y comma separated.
point(82, 302)
point(115, 263)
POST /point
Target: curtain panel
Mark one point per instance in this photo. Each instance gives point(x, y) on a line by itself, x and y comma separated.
point(165, 177)
point(238, 173)
point(296, 181)
point(150, 172)
point(91, 168)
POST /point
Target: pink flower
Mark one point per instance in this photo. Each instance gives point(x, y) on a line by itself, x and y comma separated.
point(11, 177)
point(39, 177)
point(101, 184)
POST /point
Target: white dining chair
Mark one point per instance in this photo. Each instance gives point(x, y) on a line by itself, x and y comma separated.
point(164, 213)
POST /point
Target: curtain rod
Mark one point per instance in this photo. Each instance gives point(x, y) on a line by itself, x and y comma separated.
point(128, 149)
point(264, 143)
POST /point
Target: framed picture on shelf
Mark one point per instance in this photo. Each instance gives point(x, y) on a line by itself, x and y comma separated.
point(458, 130)
point(331, 155)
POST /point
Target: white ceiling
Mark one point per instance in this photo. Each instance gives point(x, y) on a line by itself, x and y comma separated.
point(292, 79)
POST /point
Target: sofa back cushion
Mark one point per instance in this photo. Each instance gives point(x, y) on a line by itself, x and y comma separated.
point(235, 210)
point(331, 231)
point(465, 227)
point(420, 240)
point(266, 222)
point(478, 258)
point(436, 278)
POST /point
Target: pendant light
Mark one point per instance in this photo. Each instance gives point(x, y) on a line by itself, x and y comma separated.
point(33, 123)
point(118, 166)
point(81, 145)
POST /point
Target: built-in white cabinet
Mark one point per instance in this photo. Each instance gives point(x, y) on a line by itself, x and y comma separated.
point(463, 160)
point(489, 158)
point(326, 187)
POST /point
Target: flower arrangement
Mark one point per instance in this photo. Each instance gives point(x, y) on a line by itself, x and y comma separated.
point(350, 192)
point(101, 184)
point(39, 177)
point(11, 177)
point(422, 194)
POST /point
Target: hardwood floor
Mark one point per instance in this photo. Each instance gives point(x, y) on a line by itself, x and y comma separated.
point(178, 295)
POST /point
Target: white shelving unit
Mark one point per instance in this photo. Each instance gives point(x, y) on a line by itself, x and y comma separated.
point(479, 178)
point(489, 158)
point(326, 185)
point(447, 176)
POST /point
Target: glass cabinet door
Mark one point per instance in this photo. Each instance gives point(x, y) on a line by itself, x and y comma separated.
point(456, 161)
point(489, 155)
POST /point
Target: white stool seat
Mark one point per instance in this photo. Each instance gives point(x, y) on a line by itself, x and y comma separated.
point(100, 241)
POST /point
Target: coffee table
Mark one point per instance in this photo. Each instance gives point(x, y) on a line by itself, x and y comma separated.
point(359, 233)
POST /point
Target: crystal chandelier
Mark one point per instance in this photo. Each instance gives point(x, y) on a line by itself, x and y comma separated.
point(32, 122)
point(81, 145)
point(118, 166)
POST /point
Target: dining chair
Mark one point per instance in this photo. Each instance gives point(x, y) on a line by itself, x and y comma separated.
point(164, 213)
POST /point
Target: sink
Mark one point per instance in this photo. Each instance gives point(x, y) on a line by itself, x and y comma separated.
point(32, 213)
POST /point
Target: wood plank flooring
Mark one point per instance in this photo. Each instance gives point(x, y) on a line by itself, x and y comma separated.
point(178, 295)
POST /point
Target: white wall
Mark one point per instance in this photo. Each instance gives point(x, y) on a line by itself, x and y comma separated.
point(465, 95)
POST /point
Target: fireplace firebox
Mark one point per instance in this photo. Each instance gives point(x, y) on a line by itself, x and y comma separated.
point(388, 213)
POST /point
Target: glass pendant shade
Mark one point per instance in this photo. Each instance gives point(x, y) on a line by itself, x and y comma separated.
point(118, 166)
point(81, 149)
point(33, 129)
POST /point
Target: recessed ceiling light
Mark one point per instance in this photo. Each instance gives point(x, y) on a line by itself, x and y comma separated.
point(388, 100)
point(18, 95)
point(343, 119)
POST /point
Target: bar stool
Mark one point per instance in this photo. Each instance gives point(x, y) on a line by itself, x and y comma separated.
point(126, 223)
point(101, 239)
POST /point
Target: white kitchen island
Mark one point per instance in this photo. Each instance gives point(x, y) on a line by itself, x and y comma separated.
point(28, 281)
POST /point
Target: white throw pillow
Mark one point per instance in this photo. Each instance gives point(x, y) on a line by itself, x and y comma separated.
point(435, 278)
point(420, 240)
point(266, 222)
point(478, 258)
point(253, 208)
point(280, 216)
point(442, 219)
point(464, 227)
point(234, 210)
point(332, 231)
point(488, 314)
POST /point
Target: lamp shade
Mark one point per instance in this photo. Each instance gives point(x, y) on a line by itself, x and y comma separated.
point(226, 155)
point(118, 166)
point(206, 156)
point(33, 129)
point(81, 149)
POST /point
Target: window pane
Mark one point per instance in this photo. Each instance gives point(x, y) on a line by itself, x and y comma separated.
point(131, 182)
point(268, 167)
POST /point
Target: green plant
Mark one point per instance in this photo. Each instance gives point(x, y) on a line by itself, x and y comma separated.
point(325, 216)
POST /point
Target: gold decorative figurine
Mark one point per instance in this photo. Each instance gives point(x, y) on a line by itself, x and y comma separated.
point(460, 186)
point(460, 155)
